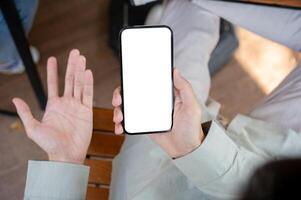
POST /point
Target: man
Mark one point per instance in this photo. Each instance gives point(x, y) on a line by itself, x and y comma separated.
point(193, 161)
point(221, 165)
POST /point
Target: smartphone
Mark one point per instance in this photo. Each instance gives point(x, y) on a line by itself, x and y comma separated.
point(146, 55)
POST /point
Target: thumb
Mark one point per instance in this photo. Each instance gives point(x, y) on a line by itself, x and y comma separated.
point(184, 88)
point(25, 114)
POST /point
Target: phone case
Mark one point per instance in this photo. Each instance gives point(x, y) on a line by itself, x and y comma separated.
point(121, 75)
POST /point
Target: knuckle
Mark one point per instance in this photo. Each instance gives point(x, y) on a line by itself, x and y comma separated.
point(77, 82)
point(89, 93)
point(69, 77)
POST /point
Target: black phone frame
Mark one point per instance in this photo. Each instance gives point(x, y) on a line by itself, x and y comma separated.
point(121, 76)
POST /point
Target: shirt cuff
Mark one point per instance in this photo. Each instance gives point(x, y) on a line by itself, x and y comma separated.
point(211, 159)
point(56, 180)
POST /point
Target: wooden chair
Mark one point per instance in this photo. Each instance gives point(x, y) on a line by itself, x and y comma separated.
point(104, 146)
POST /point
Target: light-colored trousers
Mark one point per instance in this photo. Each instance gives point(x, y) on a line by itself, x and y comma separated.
point(196, 30)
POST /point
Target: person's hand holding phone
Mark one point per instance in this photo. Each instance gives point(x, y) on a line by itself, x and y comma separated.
point(66, 128)
point(186, 134)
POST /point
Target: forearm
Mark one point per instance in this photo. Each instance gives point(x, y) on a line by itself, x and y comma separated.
point(219, 168)
point(282, 25)
point(56, 180)
point(223, 163)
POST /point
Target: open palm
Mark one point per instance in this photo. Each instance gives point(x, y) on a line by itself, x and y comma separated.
point(66, 127)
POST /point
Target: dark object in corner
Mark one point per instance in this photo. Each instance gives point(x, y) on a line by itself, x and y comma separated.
point(275, 180)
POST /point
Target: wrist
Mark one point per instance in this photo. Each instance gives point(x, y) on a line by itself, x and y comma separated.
point(191, 147)
point(56, 158)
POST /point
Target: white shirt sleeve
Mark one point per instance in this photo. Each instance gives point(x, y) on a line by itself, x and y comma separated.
point(56, 180)
point(221, 167)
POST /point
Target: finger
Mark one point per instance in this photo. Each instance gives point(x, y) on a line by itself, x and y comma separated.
point(69, 78)
point(177, 98)
point(79, 77)
point(118, 129)
point(88, 89)
point(116, 100)
point(118, 116)
point(184, 88)
point(26, 116)
point(52, 77)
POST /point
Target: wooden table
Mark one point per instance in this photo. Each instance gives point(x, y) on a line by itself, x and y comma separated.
point(286, 3)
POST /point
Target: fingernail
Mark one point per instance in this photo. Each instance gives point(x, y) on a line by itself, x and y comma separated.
point(75, 51)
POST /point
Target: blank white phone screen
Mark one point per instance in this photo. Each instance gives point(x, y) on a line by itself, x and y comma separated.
point(146, 56)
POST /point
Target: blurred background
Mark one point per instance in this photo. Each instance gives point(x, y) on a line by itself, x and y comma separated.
point(253, 71)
